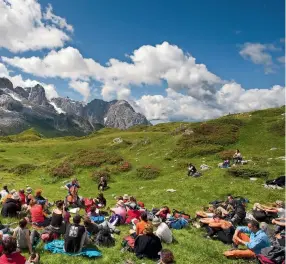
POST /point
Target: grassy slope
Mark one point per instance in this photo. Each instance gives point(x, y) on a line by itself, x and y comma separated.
point(255, 142)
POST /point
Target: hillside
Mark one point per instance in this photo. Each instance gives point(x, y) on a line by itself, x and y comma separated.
point(32, 160)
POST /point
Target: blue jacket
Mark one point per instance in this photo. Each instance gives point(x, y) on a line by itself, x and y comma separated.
point(258, 240)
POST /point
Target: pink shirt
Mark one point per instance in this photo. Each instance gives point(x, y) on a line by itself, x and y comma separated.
point(120, 211)
point(37, 213)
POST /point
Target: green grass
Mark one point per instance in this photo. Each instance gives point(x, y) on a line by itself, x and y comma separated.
point(155, 146)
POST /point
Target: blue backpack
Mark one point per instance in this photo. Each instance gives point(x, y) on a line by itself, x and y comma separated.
point(179, 223)
point(97, 219)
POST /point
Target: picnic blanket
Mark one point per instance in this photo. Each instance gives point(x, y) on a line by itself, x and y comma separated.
point(57, 247)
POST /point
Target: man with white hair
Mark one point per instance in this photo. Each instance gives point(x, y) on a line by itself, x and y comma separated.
point(163, 231)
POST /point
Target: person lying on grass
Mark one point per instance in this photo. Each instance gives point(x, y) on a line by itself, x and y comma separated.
point(255, 242)
point(220, 228)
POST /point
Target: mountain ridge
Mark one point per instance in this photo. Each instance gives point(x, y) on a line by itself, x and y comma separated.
point(23, 108)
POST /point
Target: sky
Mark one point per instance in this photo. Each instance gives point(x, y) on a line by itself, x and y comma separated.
point(171, 60)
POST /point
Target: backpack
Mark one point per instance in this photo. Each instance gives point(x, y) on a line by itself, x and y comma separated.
point(97, 219)
point(128, 243)
point(264, 260)
point(179, 223)
point(178, 214)
point(104, 238)
point(260, 216)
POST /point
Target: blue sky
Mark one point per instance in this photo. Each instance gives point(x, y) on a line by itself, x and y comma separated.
point(213, 32)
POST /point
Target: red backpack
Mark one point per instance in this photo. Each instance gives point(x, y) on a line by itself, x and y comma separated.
point(264, 260)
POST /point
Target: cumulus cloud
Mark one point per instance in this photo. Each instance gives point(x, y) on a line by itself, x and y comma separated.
point(18, 80)
point(81, 87)
point(259, 54)
point(24, 27)
point(149, 65)
point(231, 98)
point(193, 93)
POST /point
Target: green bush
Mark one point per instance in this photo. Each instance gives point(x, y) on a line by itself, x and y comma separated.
point(2, 150)
point(195, 150)
point(98, 174)
point(23, 169)
point(278, 128)
point(226, 154)
point(63, 170)
point(147, 172)
point(243, 172)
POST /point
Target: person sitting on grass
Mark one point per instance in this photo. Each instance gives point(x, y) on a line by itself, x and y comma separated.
point(140, 226)
point(22, 235)
point(102, 185)
point(191, 169)
point(254, 243)
point(163, 213)
point(73, 183)
point(22, 197)
point(39, 198)
point(29, 195)
point(237, 157)
point(4, 192)
point(237, 217)
point(166, 257)
point(100, 201)
point(75, 236)
point(57, 216)
point(223, 229)
point(132, 213)
point(163, 231)
point(10, 253)
point(38, 216)
point(147, 245)
point(91, 227)
point(11, 205)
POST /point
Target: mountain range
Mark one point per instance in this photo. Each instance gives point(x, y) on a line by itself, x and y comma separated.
point(23, 108)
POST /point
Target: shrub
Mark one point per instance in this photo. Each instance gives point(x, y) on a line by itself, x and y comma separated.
point(277, 128)
point(124, 166)
point(243, 172)
point(98, 174)
point(147, 172)
point(226, 154)
point(63, 170)
point(2, 150)
point(86, 158)
point(23, 169)
point(195, 150)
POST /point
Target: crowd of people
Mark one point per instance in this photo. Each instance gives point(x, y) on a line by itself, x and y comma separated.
point(226, 221)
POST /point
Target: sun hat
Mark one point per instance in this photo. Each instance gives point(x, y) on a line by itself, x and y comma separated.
point(156, 221)
point(120, 203)
point(15, 196)
point(125, 197)
point(133, 205)
point(29, 190)
point(13, 191)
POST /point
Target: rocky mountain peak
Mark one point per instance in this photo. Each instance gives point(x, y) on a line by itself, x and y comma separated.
point(6, 83)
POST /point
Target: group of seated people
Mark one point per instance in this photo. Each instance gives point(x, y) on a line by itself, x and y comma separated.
point(228, 222)
point(91, 228)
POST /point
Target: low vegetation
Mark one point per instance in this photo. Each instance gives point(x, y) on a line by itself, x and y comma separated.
point(147, 172)
point(241, 171)
point(63, 170)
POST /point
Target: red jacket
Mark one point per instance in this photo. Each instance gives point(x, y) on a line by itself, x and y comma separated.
point(131, 214)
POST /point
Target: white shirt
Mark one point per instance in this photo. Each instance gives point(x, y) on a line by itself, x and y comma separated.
point(164, 233)
point(281, 213)
point(3, 194)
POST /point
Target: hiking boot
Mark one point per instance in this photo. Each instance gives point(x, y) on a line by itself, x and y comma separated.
point(233, 247)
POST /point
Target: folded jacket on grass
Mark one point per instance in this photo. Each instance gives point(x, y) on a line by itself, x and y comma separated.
point(57, 247)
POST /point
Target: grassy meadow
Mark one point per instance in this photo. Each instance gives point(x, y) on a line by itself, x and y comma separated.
point(28, 159)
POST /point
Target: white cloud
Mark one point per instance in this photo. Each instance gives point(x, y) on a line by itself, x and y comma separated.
point(18, 80)
point(24, 27)
point(281, 59)
point(81, 87)
point(259, 54)
point(149, 65)
point(57, 20)
point(231, 98)
point(193, 93)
